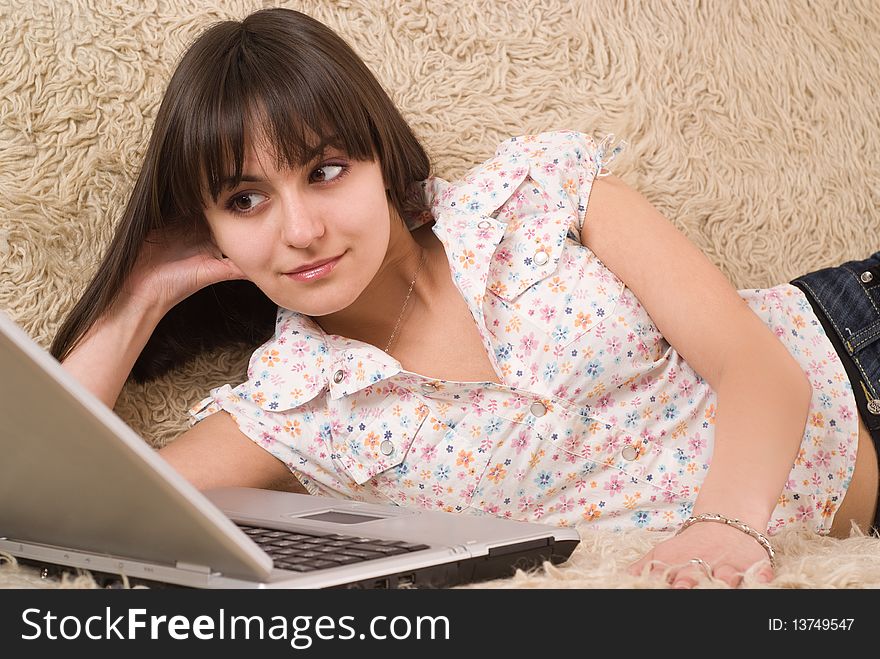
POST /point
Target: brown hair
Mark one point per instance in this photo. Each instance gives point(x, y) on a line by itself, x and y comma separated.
point(306, 88)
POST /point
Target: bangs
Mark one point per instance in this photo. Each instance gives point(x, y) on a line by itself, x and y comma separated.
point(295, 116)
point(293, 101)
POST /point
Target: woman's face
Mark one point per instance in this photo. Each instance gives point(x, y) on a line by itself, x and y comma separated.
point(276, 222)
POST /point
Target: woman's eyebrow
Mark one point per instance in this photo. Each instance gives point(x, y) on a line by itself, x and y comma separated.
point(230, 181)
point(328, 143)
point(315, 153)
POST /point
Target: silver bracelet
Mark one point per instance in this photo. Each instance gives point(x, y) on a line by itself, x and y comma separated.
point(735, 523)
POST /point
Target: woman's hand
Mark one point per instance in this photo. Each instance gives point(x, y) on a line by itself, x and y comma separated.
point(172, 266)
point(725, 554)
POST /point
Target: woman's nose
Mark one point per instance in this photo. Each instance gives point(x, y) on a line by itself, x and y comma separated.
point(301, 225)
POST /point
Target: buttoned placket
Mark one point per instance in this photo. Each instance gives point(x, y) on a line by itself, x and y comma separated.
point(469, 281)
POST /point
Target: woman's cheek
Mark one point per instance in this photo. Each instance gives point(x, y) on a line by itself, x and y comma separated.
point(246, 248)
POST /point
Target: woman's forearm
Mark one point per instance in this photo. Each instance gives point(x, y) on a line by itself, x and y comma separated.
point(762, 406)
point(107, 352)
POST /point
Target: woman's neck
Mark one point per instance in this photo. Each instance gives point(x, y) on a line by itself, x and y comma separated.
point(373, 315)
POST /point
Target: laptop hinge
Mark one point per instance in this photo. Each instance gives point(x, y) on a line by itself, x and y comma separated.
point(192, 567)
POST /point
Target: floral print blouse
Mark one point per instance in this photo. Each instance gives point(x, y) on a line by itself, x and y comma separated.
point(597, 421)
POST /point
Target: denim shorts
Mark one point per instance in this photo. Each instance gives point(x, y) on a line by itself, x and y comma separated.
point(846, 299)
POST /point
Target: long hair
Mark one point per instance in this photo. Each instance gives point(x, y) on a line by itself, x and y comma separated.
point(279, 74)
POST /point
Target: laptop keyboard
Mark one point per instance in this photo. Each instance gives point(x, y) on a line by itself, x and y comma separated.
point(302, 552)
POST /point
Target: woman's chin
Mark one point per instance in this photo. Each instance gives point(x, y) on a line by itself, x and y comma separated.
point(324, 306)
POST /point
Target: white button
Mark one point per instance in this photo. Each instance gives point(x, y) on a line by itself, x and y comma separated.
point(874, 407)
point(429, 388)
point(866, 277)
point(538, 409)
point(338, 377)
point(541, 257)
point(386, 447)
point(485, 224)
point(629, 453)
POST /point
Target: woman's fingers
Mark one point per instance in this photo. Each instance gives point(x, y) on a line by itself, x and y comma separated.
point(211, 270)
point(765, 573)
point(696, 571)
point(727, 574)
point(233, 270)
point(636, 569)
point(691, 574)
point(687, 577)
point(166, 276)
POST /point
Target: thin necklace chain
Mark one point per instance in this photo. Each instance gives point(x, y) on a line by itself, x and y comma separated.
point(406, 299)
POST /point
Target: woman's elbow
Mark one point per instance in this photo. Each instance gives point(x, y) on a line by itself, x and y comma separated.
point(798, 385)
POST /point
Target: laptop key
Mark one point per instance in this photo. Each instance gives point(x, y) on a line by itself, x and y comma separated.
point(347, 560)
point(379, 549)
point(360, 552)
point(309, 554)
point(293, 560)
point(389, 543)
point(295, 567)
point(413, 547)
point(318, 564)
point(325, 549)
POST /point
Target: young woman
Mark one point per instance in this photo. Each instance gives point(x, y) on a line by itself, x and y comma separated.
point(535, 341)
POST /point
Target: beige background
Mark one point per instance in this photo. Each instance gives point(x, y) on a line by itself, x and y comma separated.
point(754, 126)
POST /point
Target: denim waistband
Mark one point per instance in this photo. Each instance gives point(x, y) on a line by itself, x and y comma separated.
point(846, 301)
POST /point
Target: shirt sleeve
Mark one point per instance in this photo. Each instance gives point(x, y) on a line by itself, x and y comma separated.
point(276, 432)
point(219, 398)
point(600, 158)
point(241, 403)
point(565, 164)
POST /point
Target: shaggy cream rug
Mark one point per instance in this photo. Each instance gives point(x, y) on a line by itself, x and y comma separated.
point(753, 125)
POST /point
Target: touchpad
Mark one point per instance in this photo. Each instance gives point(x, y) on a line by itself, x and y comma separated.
point(339, 517)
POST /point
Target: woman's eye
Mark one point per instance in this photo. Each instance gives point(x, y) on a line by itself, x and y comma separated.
point(326, 173)
point(246, 202)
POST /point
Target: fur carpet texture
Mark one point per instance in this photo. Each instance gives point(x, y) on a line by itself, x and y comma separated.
point(753, 125)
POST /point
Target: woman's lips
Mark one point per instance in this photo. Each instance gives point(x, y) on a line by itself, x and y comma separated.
point(316, 272)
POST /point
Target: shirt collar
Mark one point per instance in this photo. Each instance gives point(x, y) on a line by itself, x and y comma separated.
point(301, 361)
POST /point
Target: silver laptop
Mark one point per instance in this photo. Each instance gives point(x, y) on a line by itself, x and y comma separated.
point(79, 489)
